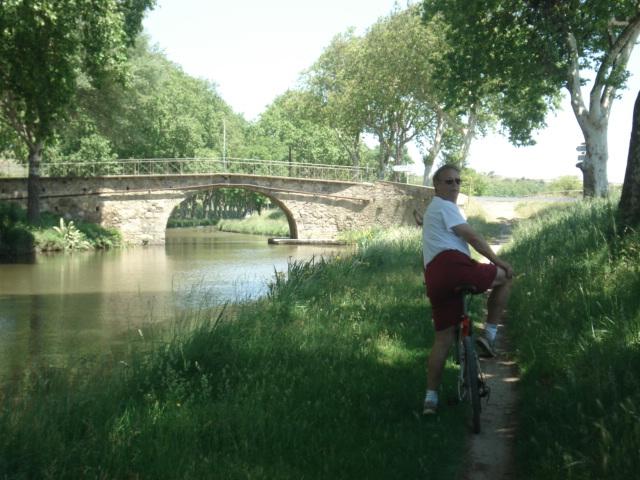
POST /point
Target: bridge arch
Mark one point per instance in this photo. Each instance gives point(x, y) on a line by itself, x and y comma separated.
point(293, 228)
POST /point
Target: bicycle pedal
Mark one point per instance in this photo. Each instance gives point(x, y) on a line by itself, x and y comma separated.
point(484, 390)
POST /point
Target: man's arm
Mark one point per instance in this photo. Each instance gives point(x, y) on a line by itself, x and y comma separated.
point(478, 242)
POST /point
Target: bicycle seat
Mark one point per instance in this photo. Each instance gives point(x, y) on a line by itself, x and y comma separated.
point(466, 289)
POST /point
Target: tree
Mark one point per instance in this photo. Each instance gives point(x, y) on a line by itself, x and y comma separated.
point(526, 51)
point(45, 47)
point(629, 206)
point(333, 85)
point(400, 99)
point(298, 136)
point(159, 112)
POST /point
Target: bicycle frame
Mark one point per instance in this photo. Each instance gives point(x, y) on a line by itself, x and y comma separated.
point(471, 384)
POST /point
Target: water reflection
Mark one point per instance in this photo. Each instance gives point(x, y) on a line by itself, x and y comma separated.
point(63, 307)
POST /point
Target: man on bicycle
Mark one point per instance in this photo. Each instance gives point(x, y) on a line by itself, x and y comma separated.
point(448, 265)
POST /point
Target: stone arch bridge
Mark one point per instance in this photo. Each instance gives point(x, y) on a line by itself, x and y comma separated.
point(140, 205)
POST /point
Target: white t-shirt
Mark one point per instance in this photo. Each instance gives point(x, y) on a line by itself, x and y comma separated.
point(437, 229)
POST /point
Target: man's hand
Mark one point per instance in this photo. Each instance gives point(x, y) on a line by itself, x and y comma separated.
point(505, 266)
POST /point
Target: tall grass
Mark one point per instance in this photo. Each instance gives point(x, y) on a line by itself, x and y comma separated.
point(323, 378)
point(575, 324)
point(268, 222)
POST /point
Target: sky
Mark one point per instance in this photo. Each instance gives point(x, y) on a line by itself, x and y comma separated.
point(254, 50)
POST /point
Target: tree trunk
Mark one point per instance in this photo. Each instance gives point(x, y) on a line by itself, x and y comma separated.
point(33, 183)
point(398, 154)
point(629, 206)
point(594, 167)
point(430, 158)
point(428, 162)
point(355, 153)
point(469, 133)
point(383, 157)
point(593, 122)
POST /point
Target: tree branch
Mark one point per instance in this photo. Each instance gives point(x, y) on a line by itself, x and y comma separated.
point(573, 79)
point(602, 94)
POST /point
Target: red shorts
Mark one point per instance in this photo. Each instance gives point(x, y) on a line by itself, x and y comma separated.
point(447, 272)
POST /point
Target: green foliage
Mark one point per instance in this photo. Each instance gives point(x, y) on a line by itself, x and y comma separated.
point(334, 91)
point(15, 238)
point(575, 318)
point(294, 134)
point(323, 379)
point(100, 237)
point(72, 238)
point(490, 185)
point(49, 240)
point(46, 49)
point(210, 206)
point(269, 222)
point(160, 112)
point(490, 61)
point(565, 185)
point(382, 84)
point(51, 233)
point(517, 56)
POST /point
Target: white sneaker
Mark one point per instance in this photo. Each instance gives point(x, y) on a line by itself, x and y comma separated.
point(430, 408)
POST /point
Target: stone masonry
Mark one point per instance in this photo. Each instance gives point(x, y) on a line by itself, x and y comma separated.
point(139, 206)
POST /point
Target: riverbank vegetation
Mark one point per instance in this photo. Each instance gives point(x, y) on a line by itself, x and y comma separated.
point(50, 233)
point(323, 378)
point(575, 323)
point(268, 222)
point(490, 185)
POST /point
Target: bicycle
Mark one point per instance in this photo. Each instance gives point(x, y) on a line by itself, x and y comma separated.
point(471, 381)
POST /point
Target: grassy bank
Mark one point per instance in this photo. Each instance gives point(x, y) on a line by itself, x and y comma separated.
point(575, 324)
point(268, 222)
point(322, 379)
point(51, 233)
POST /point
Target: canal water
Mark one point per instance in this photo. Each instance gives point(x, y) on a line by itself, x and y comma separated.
point(63, 308)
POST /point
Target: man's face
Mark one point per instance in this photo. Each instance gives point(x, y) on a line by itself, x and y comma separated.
point(448, 185)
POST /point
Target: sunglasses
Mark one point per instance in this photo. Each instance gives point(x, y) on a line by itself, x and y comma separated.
point(450, 181)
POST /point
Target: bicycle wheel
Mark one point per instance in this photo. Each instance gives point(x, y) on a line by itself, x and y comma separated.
point(460, 361)
point(471, 381)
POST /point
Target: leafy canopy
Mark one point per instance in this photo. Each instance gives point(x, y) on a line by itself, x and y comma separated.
point(47, 45)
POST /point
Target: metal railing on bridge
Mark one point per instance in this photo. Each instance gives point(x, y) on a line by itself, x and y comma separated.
point(192, 166)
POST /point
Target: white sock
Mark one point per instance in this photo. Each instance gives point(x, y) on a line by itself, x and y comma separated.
point(432, 396)
point(490, 331)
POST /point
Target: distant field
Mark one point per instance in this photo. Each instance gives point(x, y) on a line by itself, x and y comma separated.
point(9, 168)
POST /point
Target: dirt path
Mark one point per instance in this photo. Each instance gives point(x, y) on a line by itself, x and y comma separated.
point(491, 451)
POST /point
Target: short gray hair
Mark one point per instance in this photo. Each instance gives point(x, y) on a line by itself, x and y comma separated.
point(436, 175)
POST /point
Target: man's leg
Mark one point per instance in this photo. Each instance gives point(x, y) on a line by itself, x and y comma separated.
point(435, 364)
point(497, 302)
point(496, 306)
